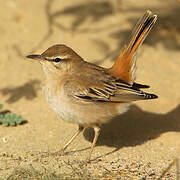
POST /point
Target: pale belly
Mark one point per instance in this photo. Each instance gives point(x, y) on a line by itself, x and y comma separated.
point(81, 112)
point(58, 104)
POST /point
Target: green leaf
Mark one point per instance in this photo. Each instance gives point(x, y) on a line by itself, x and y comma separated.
point(19, 121)
point(14, 116)
point(5, 123)
point(12, 123)
point(7, 116)
point(1, 106)
point(9, 119)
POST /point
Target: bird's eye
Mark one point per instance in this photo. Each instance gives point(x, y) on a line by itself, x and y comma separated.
point(57, 60)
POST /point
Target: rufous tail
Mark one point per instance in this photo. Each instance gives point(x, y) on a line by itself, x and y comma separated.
point(125, 66)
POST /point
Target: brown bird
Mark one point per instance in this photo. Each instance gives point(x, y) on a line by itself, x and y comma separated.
point(88, 95)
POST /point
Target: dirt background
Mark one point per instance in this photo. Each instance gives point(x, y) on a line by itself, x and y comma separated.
point(139, 144)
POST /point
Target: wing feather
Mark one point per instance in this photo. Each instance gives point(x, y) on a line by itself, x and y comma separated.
point(111, 90)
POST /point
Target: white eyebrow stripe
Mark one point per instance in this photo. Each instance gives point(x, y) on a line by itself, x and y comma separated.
point(54, 57)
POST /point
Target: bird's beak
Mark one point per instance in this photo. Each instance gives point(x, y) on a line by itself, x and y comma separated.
point(35, 57)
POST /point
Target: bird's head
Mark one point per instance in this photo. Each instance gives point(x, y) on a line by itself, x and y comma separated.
point(57, 58)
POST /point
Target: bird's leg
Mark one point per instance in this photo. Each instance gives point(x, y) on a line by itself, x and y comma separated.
point(81, 128)
point(97, 131)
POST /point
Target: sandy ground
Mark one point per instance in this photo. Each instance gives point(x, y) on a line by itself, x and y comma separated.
point(139, 144)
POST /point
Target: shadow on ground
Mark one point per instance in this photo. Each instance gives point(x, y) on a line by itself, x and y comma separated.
point(95, 11)
point(82, 12)
point(135, 127)
point(165, 32)
point(28, 91)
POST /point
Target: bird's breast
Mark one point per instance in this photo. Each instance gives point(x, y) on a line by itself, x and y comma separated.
point(56, 97)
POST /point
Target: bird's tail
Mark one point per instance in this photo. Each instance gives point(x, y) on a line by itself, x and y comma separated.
point(125, 66)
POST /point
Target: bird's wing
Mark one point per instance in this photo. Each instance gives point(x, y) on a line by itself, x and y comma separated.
point(103, 88)
point(125, 66)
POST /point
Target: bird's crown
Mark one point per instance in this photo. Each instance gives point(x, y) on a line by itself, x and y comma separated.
point(60, 51)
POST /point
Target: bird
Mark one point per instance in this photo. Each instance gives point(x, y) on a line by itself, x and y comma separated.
point(88, 95)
